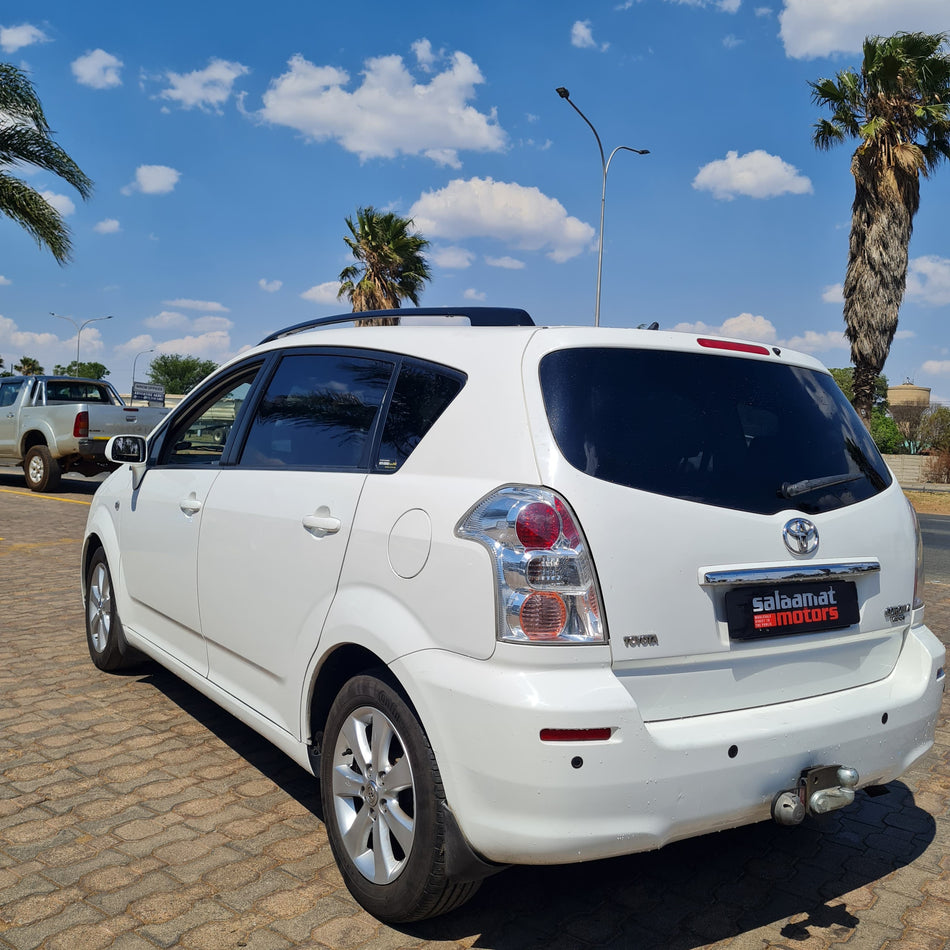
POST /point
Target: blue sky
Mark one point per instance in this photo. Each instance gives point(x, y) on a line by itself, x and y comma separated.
point(229, 141)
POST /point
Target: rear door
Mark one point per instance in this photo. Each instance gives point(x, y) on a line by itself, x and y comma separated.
point(276, 526)
point(691, 473)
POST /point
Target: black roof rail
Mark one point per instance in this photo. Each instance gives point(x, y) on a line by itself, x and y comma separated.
point(477, 317)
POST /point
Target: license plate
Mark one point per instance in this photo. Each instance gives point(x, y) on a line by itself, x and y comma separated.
point(781, 609)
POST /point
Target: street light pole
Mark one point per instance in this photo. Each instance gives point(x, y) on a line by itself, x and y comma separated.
point(137, 355)
point(605, 167)
point(79, 328)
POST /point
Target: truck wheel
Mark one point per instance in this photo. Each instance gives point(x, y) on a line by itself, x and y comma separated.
point(42, 471)
point(104, 636)
point(382, 795)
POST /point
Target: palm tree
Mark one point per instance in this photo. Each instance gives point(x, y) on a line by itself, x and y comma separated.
point(26, 139)
point(391, 266)
point(898, 107)
point(29, 366)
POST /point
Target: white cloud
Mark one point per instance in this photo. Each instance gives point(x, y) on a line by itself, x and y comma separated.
point(325, 293)
point(726, 6)
point(209, 324)
point(5, 281)
point(207, 89)
point(167, 318)
point(520, 216)
point(583, 37)
point(108, 226)
point(153, 180)
point(928, 280)
point(731, 42)
point(424, 55)
point(452, 258)
point(833, 293)
point(270, 286)
point(813, 28)
point(473, 294)
point(747, 326)
point(62, 203)
point(755, 175)
point(98, 69)
point(24, 341)
point(506, 263)
point(215, 345)
point(186, 303)
point(937, 367)
point(13, 38)
point(763, 11)
point(388, 114)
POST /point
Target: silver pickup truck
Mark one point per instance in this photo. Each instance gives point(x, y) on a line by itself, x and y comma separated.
point(50, 425)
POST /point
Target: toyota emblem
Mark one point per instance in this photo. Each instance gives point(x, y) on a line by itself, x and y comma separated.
point(800, 536)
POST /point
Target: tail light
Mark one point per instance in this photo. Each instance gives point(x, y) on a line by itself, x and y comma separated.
point(81, 425)
point(919, 572)
point(545, 583)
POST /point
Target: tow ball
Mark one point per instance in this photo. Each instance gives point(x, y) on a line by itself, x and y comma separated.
point(820, 790)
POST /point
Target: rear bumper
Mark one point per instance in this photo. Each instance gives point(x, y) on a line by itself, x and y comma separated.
point(519, 800)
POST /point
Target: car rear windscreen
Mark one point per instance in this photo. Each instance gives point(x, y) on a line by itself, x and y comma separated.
point(752, 435)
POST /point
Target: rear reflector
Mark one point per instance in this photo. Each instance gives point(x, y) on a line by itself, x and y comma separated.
point(575, 735)
point(731, 345)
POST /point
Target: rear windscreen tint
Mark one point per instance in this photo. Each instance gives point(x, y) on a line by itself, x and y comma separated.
point(751, 435)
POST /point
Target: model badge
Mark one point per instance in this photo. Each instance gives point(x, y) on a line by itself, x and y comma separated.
point(800, 536)
point(646, 640)
point(898, 613)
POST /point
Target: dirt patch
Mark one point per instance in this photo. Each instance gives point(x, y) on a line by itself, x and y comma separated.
point(930, 502)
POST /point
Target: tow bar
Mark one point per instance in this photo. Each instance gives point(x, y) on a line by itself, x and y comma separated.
point(820, 790)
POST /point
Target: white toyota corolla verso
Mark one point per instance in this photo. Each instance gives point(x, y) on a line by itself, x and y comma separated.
point(525, 595)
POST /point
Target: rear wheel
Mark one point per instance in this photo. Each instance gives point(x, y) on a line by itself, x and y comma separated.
point(104, 636)
point(383, 804)
point(41, 470)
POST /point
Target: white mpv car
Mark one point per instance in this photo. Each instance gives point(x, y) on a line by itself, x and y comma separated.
point(521, 594)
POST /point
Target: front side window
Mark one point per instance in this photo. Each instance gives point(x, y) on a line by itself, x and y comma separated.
point(319, 411)
point(752, 435)
point(202, 435)
point(9, 392)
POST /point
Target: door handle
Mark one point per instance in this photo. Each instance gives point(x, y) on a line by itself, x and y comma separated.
point(321, 522)
point(190, 505)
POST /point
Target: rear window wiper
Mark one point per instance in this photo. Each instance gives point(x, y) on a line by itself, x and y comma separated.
point(792, 489)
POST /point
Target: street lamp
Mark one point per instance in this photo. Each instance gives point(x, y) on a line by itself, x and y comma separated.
point(137, 355)
point(79, 328)
point(605, 166)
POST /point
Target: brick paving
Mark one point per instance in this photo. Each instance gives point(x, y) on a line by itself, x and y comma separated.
point(134, 814)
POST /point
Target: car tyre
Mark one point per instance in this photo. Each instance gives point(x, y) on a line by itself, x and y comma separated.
point(41, 470)
point(383, 805)
point(104, 636)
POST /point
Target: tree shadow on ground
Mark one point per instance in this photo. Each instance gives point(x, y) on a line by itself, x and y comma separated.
point(687, 895)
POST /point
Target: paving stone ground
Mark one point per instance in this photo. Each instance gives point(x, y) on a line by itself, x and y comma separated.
point(134, 814)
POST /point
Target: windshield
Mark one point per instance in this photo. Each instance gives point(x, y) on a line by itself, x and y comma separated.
point(752, 435)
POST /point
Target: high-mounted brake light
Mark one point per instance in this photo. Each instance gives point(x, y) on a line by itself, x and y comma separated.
point(545, 583)
point(715, 344)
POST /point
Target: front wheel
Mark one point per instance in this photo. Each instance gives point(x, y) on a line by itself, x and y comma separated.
point(41, 470)
point(104, 635)
point(382, 800)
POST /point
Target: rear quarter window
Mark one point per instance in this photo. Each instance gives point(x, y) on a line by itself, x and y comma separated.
point(751, 435)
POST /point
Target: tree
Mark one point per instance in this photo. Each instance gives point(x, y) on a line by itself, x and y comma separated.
point(179, 373)
point(934, 431)
point(26, 139)
point(898, 107)
point(85, 370)
point(844, 377)
point(28, 366)
point(390, 263)
point(4, 372)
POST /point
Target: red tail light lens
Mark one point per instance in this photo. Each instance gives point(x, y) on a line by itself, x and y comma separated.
point(538, 526)
point(81, 426)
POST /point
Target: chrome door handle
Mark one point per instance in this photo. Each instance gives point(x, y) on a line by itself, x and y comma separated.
point(190, 505)
point(321, 522)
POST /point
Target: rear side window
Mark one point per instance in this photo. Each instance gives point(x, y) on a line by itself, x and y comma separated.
point(319, 411)
point(422, 393)
point(751, 435)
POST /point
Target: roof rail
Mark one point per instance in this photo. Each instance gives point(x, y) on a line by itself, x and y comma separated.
point(477, 317)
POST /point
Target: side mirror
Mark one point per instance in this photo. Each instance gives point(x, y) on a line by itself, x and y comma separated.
point(126, 448)
point(131, 450)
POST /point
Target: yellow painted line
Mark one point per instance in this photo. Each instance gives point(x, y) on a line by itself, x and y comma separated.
point(40, 497)
point(17, 547)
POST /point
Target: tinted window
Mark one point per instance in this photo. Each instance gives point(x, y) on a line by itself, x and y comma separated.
point(319, 410)
point(421, 395)
point(738, 433)
point(9, 392)
point(200, 436)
